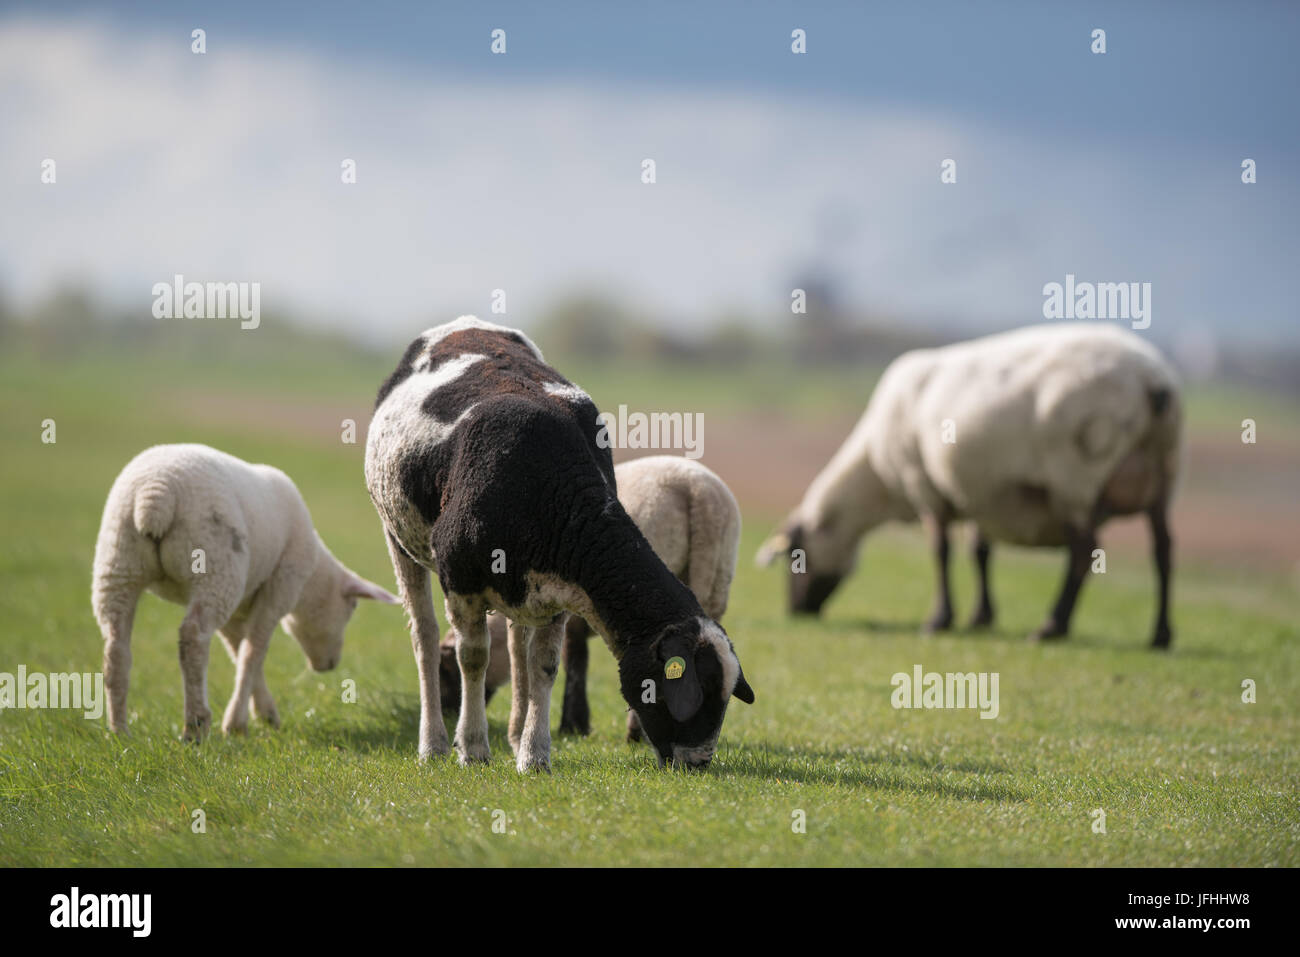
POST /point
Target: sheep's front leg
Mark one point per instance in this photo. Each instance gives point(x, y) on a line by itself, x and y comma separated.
point(417, 597)
point(473, 648)
point(534, 752)
point(518, 638)
point(264, 708)
point(250, 658)
point(941, 617)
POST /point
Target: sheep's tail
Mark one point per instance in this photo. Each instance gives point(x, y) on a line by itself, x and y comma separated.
point(155, 508)
point(1165, 434)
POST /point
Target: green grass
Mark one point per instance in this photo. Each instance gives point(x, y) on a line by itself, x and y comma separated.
point(1186, 773)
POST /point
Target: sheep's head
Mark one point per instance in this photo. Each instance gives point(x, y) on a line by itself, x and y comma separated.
point(820, 557)
point(680, 685)
point(326, 605)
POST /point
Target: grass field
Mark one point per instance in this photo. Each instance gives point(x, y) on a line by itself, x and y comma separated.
point(1186, 773)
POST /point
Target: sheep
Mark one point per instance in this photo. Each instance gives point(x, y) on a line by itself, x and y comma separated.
point(233, 543)
point(1038, 436)
point(691, 520)
point(488, 467)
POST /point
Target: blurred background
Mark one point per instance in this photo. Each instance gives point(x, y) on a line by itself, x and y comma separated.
point(521, 173)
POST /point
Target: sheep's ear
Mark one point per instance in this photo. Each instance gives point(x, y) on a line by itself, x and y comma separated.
point(779, 544)
point(743, 691)
point(360, 588)
point(679, 679)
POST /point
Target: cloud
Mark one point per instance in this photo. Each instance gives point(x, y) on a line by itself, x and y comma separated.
point(226, 166)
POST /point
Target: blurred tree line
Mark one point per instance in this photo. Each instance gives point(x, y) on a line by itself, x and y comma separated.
point(72, 320)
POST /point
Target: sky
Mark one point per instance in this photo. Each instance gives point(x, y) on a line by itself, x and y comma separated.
point(523, 171)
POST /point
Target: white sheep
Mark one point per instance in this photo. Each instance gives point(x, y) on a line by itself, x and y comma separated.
point(233, 543)
point(1037, 435)
point(691, 520)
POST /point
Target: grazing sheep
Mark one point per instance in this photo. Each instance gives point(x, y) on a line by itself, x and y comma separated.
point(232, 542)
point(1038, 436)
point(484, 464)
point(691, 520)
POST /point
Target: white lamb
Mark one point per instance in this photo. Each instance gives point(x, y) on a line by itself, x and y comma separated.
point(1038, 436)
point(234, 543)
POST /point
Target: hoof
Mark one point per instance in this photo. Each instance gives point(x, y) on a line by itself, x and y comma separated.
point(1163, 639)
point(937, 622)
point(196, 729)
point(568, 728)
point(477, 752)
point(234, 727)
point(430, 750)
point(982, 619)
point(1048, 632)
point(534, 765)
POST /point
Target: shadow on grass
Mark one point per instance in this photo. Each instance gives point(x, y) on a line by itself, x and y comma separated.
point(391, 727)
point(865, 627)
point(869, 770)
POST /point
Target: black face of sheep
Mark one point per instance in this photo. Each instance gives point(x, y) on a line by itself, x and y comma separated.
point(680, 685)
point(809, 589)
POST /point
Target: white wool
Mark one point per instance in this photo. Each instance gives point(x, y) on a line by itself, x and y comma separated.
point(234, 543)
point(691, 520)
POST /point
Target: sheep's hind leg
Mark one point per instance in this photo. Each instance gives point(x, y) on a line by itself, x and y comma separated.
point(473, 648)
point(1162, 551)
point(983, 615)
point(941, 617)
point(1081, 544)
point(116, 615)
point(417, 598)
point(201, 620)
point(543, 662)
point(575, 715)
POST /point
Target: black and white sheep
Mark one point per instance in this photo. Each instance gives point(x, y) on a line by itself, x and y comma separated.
point(485, 465)
point(1038, 436)
point(233, 543)
point(691, 520)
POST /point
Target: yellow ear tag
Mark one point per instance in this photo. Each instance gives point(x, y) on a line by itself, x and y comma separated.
point(675, 668)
